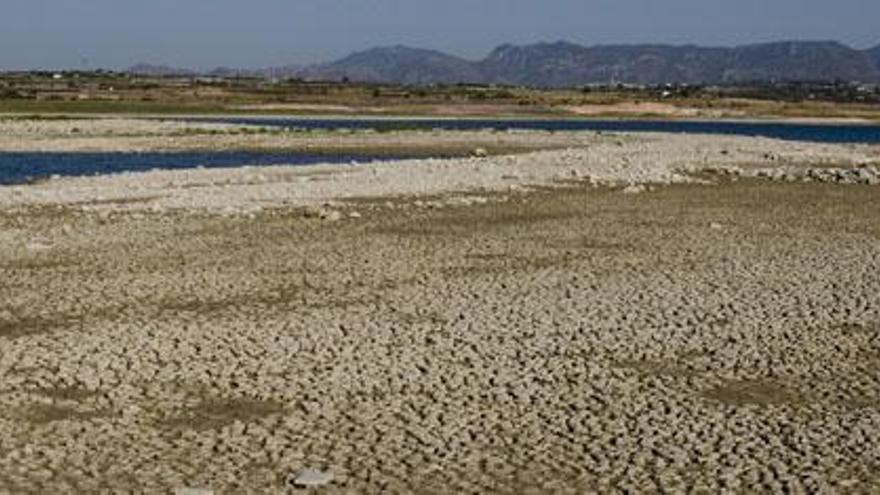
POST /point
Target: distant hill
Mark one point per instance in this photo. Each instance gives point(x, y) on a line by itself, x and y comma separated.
point(164, 70)
point(269, 73)
point(399, 64)
point(818, 61)
point(567, 64)
point(875, 54)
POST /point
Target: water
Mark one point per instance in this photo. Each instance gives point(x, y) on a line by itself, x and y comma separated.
point(824, 133)
point(25, 167)
point(17, 168)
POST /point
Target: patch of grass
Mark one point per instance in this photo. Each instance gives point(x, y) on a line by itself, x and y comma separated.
point(44, 117)
point(117, 201)
point(43, 414)
point(214, 414)
point(106, 107)
point(512, 264)
point(281, 297)
point(658, 368)
point(589, 243)
point(36, 263)
point(32, 326)
point(460, 220)
point(24, 326)
point(67, 393)
point(675, 367)
point(753, 392)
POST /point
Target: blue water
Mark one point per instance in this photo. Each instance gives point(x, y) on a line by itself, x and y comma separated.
point(825, 133)
point(17, 168)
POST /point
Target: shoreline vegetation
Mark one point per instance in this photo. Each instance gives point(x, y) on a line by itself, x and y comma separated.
point(739, 112)
point(107, 93)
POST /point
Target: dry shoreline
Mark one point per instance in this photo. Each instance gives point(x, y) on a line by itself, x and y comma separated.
point(597, 158)
point(607, 159)
point(635, 313)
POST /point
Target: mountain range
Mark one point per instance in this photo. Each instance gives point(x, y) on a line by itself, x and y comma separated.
point(564, 64)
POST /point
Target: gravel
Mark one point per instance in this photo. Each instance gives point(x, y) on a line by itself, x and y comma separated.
point(23, 134)
point(862, 174)
point(311, 478)
point(629, 161)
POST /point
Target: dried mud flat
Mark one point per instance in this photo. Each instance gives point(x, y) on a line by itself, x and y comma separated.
point(718, 336)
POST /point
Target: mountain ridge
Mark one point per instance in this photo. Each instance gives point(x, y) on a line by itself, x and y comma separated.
point(562, 63)
point(400, 64)
point(875, 52)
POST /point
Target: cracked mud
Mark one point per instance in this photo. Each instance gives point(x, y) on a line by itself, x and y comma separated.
point(716, 337)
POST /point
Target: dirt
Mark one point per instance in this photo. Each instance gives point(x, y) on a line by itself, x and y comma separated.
point(562, 340)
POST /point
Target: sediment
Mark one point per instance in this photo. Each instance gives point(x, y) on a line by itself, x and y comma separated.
point(630, 313)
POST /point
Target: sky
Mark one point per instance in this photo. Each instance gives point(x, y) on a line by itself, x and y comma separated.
point(203, 34)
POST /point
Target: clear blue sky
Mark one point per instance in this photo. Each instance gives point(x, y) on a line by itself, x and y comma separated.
point(258, 33)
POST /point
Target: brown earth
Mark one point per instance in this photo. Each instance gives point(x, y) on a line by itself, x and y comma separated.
point(702, 337)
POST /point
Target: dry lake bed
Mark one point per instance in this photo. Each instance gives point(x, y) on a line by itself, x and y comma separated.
point(615, 313)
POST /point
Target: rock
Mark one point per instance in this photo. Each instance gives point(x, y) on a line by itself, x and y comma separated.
point(354, 214)
point(323, 214)
point(193, 491)
point(716, 226)
point(467, 201)
point(480, 153)
point(841, 176)
point(38, 246)
point(331, 215)
point(849, 483)
point(634, 189)
point(865, 175)
point(776, 174)
point(310, 478)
